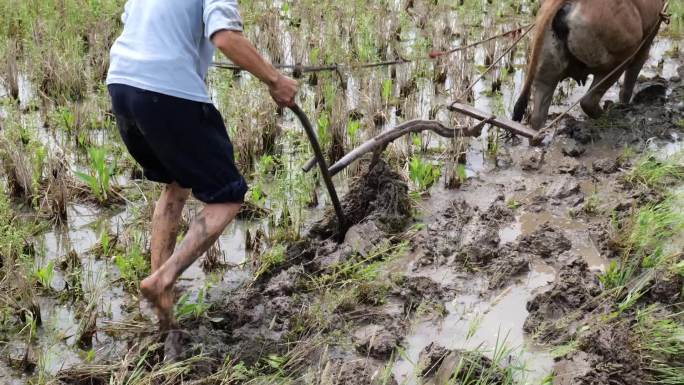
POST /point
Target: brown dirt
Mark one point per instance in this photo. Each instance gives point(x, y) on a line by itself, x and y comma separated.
point(554, 314)
point(381, 196)
point(545, 242)
point(606, 355)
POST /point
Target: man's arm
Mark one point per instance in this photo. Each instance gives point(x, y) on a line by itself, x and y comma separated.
point(240, 51)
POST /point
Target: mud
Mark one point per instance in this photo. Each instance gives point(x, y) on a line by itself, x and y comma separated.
point(652, 114)
point(354, 371)
point(606, 355)
point(375, 341)
point(431, 359)
point(380, 195)
point(263, 318)
point(666, 288)
point(545, 242)
point(555, 314)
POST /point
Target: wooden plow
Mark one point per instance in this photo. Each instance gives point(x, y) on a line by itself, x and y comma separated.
point(379, 143)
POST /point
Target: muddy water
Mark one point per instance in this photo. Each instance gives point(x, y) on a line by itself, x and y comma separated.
point(483, 325)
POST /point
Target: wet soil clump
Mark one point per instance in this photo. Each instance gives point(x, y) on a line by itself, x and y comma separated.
point(554, 314)
point(546, 242)
point(431, 358)
point(381, 196)
point(606, 355)
point(666, 288)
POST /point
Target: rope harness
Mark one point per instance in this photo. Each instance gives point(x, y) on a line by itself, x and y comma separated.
point(432, 56)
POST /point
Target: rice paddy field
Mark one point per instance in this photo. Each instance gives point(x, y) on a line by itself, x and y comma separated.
point(470, 261)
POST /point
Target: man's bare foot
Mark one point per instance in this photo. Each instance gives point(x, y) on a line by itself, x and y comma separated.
point(162, 299)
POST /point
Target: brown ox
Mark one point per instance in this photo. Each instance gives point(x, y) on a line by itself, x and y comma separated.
point(576, 38)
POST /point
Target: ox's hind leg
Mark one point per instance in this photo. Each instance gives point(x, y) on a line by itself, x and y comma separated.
point(591, 102)
point(633, 70)
point(552, 69)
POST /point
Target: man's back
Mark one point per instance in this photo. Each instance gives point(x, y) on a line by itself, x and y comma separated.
point(165, 46)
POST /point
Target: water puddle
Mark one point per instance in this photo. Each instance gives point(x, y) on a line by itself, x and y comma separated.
point(474, 323)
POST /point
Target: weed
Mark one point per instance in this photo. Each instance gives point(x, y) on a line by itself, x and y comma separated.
point(658, 174)
point(591, 205)
point(472, 369)
point(359, 270)
point(269, 260)
point(565, 349)
point(474, 326)
point(642, 239)
point(661, 339)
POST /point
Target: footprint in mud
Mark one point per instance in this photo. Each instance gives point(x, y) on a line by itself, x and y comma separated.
point(176, 345)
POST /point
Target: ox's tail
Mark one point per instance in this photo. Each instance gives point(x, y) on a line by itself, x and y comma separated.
point(546, 15)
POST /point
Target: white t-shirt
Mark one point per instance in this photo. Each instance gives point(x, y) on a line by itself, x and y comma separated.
point(166, 45)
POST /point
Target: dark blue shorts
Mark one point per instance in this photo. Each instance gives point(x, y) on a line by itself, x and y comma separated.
point(178, 140)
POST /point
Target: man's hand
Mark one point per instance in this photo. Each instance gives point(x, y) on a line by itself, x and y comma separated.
point(241, 52)
point(283, 91)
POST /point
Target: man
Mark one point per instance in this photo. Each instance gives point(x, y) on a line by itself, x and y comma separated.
point(165, 117)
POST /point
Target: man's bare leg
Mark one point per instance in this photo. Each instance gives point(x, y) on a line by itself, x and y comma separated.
point(165, 225)
point(204, 231)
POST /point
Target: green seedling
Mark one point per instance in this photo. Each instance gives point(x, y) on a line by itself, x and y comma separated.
point(387, 90)
point(257, 195)
point(461, 173)
point(67, 118)
point(324, 129)
point(105, 243)
point(423, 173)
point(185, 309)
point(353, 127)
point(100, 172)
point(133, 266)
point(45, 274)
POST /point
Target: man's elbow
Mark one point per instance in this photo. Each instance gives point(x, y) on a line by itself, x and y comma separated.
point(225, 39)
